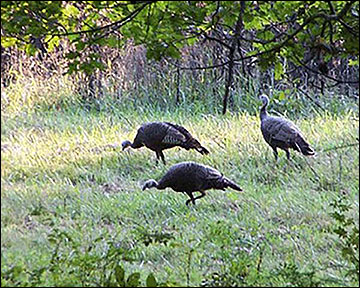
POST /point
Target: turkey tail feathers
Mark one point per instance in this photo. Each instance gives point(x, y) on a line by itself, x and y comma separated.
point(203, 150)
point(304, 147)
point(229, 183)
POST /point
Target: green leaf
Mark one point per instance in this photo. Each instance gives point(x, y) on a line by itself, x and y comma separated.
point(346, 251)
point(53, 42)
point(340, 231)
point(354, 62)
point(120, 275)
point(80, 45)
point(73, 67)
point(279, 70)
point(72, 55)
point(30, 49)
point(71, 10)
point(172, 52)
point(98, 64)
point(191, 41)
point(112, 41)
point(73, 37)
point(255, 23)
point(8, 42)
point(282, 95)
point(133, 280)
point(251, 53)
point(151, 281)
point(87, 67)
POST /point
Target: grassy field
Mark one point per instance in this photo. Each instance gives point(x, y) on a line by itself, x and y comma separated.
point(72, 208)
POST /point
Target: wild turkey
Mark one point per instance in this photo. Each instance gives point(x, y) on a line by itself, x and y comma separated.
point(158, 136)
point(190, 177)
point(280, 133)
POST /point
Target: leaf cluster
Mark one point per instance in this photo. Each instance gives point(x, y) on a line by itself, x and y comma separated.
point(271, 31)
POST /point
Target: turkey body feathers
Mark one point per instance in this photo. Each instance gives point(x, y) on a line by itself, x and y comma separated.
point(158, 136)
point(190, 142)
point(189, 177)
point(280, 133)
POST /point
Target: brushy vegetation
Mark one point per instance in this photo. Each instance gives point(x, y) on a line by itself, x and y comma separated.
point(73, 213)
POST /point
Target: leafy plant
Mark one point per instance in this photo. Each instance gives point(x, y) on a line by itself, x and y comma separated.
point(72, 264)
point(247, 274)
point(348, 232)
point(240, 270)
point(154, 237)
point(290, 274)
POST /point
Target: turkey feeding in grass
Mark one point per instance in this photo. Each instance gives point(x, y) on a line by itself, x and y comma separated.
point(190, 177)
point(158, 136)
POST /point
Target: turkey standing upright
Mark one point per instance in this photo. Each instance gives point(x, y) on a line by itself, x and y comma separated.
point(190, 177)
point(158, 136)
point(280, 133)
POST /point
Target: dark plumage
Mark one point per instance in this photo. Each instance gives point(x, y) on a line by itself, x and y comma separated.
point(281, 133)
point(190, 177)
point(158, 136)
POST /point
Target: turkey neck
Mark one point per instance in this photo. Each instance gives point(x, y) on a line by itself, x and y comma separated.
point(263, 112)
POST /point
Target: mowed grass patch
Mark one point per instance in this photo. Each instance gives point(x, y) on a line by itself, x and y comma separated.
point(64, 171)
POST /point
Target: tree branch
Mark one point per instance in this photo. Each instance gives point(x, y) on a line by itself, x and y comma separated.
point(326, 76)
point(289, 37)
point(216, 40)
point(120, 23)
point(117, 24)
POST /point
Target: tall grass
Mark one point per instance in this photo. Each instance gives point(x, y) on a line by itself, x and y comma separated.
point(72, 207)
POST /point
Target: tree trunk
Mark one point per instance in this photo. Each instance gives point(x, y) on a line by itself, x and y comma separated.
point(177, 99)
point(229, 79)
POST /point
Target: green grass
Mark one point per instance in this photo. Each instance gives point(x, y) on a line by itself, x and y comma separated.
point(63, 171)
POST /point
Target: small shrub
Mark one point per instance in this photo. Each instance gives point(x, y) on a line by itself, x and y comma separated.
point(291, 276)
point(72, 264)
point(348, 232)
